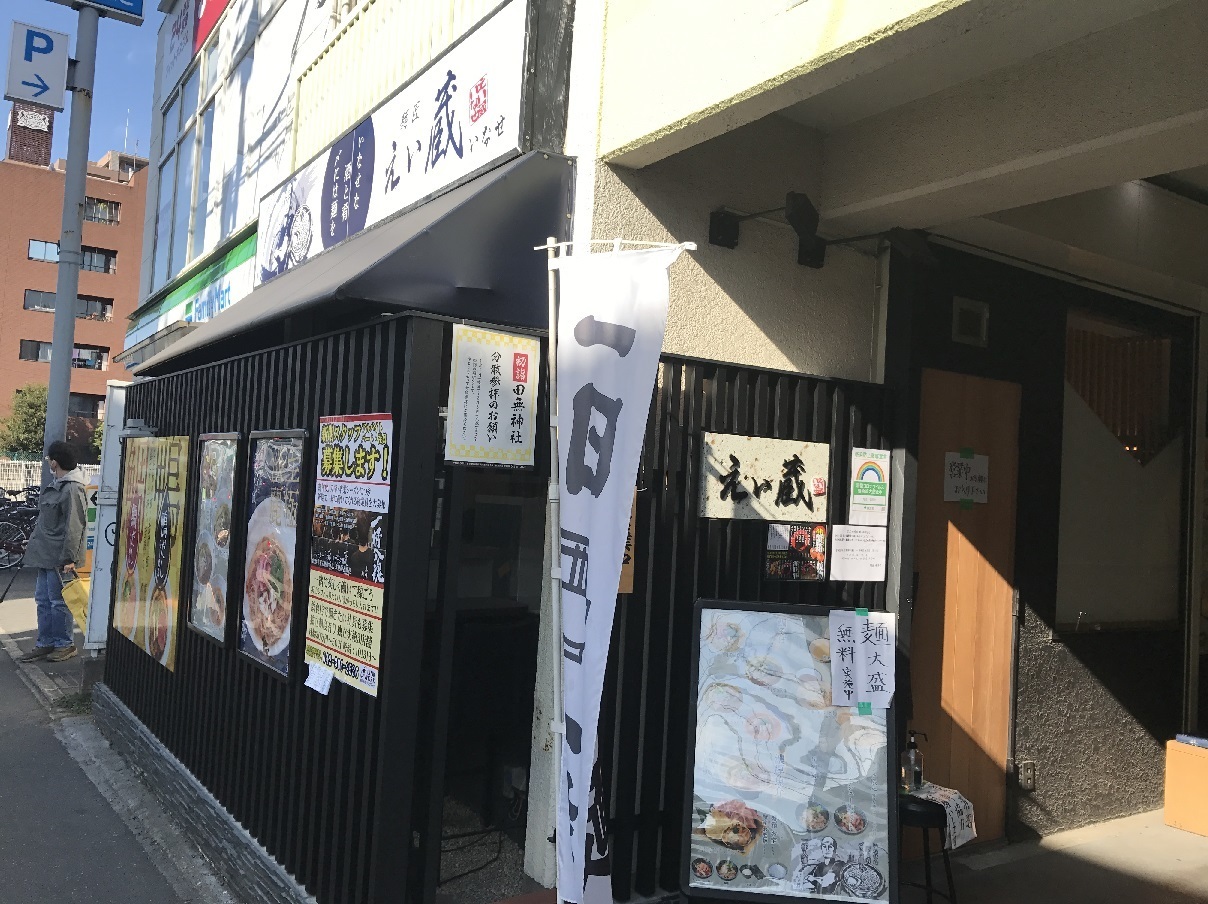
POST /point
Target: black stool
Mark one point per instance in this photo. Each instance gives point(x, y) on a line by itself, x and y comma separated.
point(926, 815)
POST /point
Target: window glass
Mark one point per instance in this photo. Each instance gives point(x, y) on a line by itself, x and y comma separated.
point(211, 68)
point(100, 210)
point(81, 405)
point(38, 300)
point(99, 260)
point(43, 251)
point(180, 216)
point(188, 96)
point(163, 223)
point(172, 122)
point(202, 205)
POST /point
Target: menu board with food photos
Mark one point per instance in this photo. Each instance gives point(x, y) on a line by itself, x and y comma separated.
point(274, 481)
point(788, 794)
point(212, 534)
point(149, 544)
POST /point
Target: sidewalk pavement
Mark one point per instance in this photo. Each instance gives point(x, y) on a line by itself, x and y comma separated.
point(78, 824)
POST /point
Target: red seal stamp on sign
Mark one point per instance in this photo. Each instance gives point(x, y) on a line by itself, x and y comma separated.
point(520, 367)
point(478, 100)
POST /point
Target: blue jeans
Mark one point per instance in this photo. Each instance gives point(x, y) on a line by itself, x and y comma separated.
point(54, 618)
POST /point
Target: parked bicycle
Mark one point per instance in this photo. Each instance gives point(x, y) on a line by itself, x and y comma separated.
point(18, 515)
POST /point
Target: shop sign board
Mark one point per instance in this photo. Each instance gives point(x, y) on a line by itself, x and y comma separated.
point(150, 544)
point(966, 478)
point(348, 550)
point(204, 296)
point(269, 572)
point(753, 477)
point(862, 647)
point(177, 45)
point(458, 117)
point(869, 499)
point(788, 794)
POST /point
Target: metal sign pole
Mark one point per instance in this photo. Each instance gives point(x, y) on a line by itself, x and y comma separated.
point(67, 288)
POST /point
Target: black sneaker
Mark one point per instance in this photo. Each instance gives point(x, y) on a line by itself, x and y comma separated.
point(37, 653)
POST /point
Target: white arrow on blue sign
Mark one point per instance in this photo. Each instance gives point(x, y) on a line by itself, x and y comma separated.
point(37, 66)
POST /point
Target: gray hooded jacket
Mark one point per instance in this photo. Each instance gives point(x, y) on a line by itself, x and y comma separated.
point(59, 535)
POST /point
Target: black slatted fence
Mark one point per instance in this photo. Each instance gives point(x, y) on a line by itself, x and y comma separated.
point(680, 558)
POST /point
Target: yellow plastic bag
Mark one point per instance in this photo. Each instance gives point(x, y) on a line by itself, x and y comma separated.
point(75, 595)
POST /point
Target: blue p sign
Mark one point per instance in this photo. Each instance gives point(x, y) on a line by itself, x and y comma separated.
point(37, 42)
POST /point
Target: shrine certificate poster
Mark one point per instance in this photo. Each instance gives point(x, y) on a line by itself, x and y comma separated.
point(788, 795)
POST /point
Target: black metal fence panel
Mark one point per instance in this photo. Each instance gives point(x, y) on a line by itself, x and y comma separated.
point(300, 771)
point(680, 557)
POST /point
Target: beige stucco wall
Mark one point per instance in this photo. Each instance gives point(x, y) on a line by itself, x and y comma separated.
point(699, 56)
point(754, 304)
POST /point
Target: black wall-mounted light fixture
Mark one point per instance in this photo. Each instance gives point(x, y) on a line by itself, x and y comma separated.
point(802, 215)
point(724, 227)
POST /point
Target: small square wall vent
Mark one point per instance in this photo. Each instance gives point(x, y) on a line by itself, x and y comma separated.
point(970, 322)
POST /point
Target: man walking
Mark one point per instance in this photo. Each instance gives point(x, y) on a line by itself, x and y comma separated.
point(56, 549)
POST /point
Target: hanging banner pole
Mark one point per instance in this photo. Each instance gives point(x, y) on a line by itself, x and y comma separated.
point(552, 513)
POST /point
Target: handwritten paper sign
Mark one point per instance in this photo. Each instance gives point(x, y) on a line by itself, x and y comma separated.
point(862, 658)
point(858, 553)
point(869, 499)
point(966, 477)
point(756, 478)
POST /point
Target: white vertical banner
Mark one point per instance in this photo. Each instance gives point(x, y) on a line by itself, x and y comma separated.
point(610, 333)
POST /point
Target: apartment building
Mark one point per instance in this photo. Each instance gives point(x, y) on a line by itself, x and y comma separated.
point(31, 211)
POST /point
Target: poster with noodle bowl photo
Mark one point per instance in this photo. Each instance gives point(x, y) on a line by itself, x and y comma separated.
point(788, 794)
point(274, 481)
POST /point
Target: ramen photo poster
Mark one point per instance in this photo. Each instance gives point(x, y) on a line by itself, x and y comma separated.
point(274, 478)
point(789, 793)
point(212, 533)
point(149, 544)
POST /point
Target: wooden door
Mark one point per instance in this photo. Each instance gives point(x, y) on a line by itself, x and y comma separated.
point(965, 554)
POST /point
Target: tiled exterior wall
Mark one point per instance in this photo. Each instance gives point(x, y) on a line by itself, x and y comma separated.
point(31, 207)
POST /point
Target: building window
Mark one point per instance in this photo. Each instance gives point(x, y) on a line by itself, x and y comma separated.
point(100, 210)
point(88, 307)
point(196, 206)
point(93, 307)
point(88, 357)
point(37, 300)
point(81, 405)
point(43, 251)
point(99, 260)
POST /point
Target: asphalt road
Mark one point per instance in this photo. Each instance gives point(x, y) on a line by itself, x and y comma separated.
point(60, 840)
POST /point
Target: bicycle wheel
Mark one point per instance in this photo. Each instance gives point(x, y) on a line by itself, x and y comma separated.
point(12, 544)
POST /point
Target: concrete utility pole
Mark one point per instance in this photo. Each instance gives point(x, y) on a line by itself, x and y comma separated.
point(70, 256)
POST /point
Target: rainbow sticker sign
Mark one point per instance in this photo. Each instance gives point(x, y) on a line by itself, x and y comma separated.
point(869, 498)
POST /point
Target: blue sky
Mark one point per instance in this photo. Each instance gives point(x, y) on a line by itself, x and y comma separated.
point(125, 74)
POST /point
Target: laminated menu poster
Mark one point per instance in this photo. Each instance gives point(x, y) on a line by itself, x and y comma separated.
point(795, 552)
point(347, 549)
point(150, 544)
point(212, 534)
point(788, 793)
point(272, 534)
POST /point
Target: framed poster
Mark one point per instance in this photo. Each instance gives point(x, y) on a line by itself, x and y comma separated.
point(788, 797)
point(270, 568)
point(348, 547)
point(150, 544)
point(213, 531)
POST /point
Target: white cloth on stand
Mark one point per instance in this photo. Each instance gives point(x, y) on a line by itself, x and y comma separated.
point(961, 826)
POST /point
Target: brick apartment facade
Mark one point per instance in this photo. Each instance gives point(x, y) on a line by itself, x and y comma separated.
point(31, 205)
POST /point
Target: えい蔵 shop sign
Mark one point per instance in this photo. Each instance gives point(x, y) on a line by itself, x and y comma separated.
point(459, 116)
point(751, 477)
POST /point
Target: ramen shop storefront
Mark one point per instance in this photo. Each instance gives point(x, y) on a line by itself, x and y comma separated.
point(324, 637)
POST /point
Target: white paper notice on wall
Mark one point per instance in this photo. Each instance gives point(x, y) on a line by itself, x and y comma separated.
point(966, 477)
point(869, 499)
point(862, 658)
point(319, 679)
point(857, 552)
